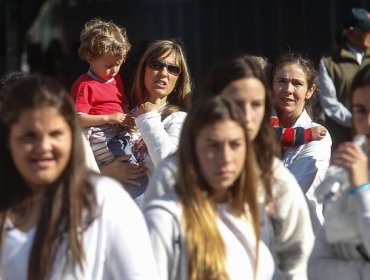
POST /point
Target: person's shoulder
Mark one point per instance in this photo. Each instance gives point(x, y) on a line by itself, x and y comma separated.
point(82, 78)
point(285, 185)
point(169, 162)
point(108, 189)
point(337, 55)
point(168, 204)
point(82, 81)
point(280, 172)
point(175, 116)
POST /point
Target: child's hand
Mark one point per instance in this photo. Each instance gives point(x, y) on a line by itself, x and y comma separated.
point(116, 118)
point(318, 132)
point(129, 122)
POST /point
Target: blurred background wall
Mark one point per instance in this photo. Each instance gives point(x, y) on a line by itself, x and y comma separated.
point(42, 35)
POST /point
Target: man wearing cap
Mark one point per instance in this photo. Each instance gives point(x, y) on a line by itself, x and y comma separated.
point(337, 70)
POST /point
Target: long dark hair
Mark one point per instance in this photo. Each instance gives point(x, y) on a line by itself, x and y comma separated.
point(265, 143)
point(65, 200)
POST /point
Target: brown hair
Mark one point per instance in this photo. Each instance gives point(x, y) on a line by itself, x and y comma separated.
point(265, 143)
point(205, 247)
point(100, 37)
point(180, 98)
point(75, 197)
point(308, 68)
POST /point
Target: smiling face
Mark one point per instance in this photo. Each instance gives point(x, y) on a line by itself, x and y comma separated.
point(220, 149)
point(290, 90)
point(361, 111)
point(250, 94)
point(160, 83)
point(105, 66)
point(40, 143)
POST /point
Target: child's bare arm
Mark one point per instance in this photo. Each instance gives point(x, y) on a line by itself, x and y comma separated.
point(318, 132)
point(87, 120)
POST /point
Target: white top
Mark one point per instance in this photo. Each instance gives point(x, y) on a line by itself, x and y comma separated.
point(117, 244)
point(164, 220)
point(240, 242)
point(160, 137)
point(292, 225)
point(345, 259)
point(308, 163)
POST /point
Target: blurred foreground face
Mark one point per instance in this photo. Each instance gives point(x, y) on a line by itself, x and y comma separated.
point(250, 94)
point(220, 150)
point(361, 111)
point(40, 144)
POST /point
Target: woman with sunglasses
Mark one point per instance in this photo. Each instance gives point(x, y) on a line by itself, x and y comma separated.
point(161, 91)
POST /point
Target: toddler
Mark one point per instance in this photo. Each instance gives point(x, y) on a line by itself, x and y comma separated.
point(99, 94)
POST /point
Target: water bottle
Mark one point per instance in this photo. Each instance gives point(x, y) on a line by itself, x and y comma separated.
point(337, 178)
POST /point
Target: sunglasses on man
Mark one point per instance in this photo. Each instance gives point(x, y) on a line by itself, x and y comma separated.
point(158, 65)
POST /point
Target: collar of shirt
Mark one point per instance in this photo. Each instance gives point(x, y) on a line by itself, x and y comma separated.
point(359, 55)
point(96, 78)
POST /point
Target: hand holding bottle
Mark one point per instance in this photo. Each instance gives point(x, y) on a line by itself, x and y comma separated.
point(353, 158)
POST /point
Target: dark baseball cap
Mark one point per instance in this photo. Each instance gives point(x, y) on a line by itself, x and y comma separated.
point(360, 18)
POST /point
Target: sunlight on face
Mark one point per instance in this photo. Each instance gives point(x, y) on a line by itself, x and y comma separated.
point(40, 144)
point(361, 111)
point(160, 83)
point(250, 94)
point(290, 91)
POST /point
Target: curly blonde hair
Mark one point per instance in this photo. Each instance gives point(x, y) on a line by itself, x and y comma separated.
point(100, 37)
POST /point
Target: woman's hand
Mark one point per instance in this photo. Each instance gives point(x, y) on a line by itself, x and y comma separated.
point(124, 171)
point(351, 157)
point(149, 106)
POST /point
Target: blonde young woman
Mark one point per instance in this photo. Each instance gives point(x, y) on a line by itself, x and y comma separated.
point(210, 227)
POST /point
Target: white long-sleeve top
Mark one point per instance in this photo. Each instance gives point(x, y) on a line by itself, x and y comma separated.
point(308, 163)
point(116, 244)
point(347, 259)
point(293, 236)
point(160, 137)
point(169, 242)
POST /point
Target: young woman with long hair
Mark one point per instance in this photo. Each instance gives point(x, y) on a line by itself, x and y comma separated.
point(211, 228)
point(57, 221)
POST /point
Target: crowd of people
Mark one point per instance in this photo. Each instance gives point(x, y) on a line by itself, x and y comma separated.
point(104, 182)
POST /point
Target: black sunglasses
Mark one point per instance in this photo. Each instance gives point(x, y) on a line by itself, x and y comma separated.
point(158, 65)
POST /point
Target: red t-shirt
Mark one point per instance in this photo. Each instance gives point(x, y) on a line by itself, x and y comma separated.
point(98, 98)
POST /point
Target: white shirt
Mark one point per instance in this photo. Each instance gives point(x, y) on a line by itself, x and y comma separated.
point(160, 137)
point(308, 163)
point(240, 241)
point(116, 244)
